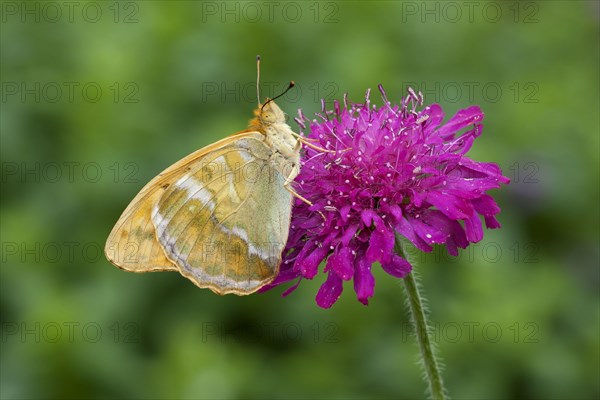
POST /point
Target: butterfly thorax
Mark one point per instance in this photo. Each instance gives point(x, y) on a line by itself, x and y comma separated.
point(270, 121)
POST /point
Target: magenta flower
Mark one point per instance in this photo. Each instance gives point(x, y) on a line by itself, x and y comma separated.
point(395, 169)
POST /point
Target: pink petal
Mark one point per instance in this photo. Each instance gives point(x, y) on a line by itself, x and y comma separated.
point(436, 116)
point(485, 205)
point(473, 228)
point(291, 289)
point(405, 229)
point(463, 118)
point(367, 217)
point(308, 263)
point(349, 234)
point(454, 230)
point(364, 282)
point(330, 291)
point(397, 267)
point(381, 243)
point(345, 212)
point(453, 206)
point(491, 222)
point(342, 263)
point(429, 234)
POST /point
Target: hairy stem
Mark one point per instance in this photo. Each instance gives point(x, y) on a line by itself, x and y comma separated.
point(419, 320)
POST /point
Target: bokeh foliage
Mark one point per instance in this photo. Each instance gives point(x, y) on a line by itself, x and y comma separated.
point(517, 316)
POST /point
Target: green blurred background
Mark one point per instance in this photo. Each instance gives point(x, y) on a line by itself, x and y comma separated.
point(98, 97)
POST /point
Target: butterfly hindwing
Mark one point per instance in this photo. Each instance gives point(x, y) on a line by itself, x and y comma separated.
point(225, 221)
point(132, 244)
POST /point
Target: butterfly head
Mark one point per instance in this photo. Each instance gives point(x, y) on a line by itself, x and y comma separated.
point(269, 113)
point(266, 115)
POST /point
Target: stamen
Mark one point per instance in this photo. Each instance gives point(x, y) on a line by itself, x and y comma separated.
point(301, 115)
point(300, 122)
point(413, 94)
point(368, 103)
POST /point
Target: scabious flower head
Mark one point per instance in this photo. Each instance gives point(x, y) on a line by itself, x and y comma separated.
point(393, 170)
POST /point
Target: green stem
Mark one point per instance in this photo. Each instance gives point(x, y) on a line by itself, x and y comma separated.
point(419, 320)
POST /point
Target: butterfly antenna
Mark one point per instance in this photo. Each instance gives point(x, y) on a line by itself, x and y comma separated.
point(258, 79)
point(291, 85)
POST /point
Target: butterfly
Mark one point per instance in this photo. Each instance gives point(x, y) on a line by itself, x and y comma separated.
point(221, 215)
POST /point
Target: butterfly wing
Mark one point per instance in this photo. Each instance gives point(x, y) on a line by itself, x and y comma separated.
point(132, 244)
point(225, 222)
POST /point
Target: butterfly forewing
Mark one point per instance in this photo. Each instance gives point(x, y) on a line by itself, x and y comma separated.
point(225, 221)
point(132, 243)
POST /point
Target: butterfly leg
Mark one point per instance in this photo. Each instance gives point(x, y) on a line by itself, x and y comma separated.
point(288, 182)
point(307, 141)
